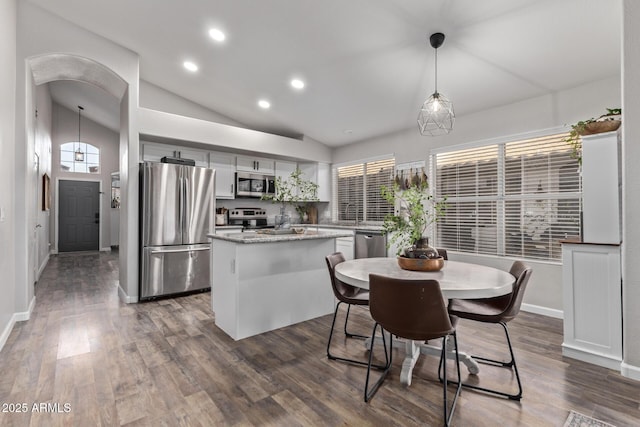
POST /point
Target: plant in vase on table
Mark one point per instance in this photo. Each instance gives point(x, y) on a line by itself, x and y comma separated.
point(294, 190)
point(418, 209)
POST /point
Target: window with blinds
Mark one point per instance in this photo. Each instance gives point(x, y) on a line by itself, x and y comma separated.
point(516, 199)
point(356, 194)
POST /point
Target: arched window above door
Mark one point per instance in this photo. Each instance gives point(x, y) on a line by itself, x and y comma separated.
point(79, 157)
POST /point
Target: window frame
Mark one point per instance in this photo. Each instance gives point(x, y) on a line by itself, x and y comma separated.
point(503, 197)
point(84, 162)
point(361, 214)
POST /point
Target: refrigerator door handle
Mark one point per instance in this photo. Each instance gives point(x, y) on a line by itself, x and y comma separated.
point(183, 204)
point(174, 251)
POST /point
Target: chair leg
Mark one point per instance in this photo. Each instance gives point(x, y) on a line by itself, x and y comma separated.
point(349, 334)
point(368, 393)
point(499, 363)
point(344, 359)
point(443, 365)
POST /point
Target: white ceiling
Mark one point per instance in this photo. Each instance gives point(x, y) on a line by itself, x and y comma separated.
point(367, 64)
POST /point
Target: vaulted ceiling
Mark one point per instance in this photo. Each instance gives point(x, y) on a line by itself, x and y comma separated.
point(367, 64)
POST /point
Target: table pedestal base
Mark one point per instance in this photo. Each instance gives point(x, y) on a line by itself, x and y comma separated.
point(413, 350)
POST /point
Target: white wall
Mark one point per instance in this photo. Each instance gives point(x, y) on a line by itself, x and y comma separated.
point(550, 111)
point(7, 166)
point(156, 98)
point(65, 129)
point(631, 188)
point(545, 112)
point(43, 150)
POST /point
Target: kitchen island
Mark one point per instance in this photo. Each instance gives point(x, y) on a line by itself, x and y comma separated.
point(261, 282)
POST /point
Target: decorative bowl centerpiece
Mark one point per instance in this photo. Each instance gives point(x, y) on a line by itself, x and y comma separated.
point(421, 264)
point(299, 230)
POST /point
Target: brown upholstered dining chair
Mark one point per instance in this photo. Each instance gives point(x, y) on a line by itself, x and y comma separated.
point(498, 310)
point(347, 294)
point(415, 310)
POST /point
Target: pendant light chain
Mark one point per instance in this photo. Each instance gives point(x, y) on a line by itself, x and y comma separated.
point(436, 73)
point(79, 154)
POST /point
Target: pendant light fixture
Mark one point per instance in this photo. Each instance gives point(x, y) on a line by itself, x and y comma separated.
point(436, 115)
point(79, 154)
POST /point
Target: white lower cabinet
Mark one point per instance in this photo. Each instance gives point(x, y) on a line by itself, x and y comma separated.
point(592, 303)
point(343, 244)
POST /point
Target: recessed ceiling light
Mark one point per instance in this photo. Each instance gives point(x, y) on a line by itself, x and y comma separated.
point(264, 104)
point(217, 35)
point(297, 83)
point(348, 131)
point(190, 66)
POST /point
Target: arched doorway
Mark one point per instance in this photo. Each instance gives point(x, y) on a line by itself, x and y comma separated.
point(49, 68)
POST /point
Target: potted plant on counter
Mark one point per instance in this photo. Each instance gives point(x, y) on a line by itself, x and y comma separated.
point(293, 190)
point(605, 123)
point(417, 210)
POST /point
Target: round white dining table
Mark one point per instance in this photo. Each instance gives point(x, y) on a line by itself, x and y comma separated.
point(457, 280)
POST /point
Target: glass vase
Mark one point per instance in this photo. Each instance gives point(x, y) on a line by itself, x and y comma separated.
point(421, 249)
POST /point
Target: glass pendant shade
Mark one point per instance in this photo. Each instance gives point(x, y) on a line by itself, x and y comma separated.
point(436, 116)
point(79, 155)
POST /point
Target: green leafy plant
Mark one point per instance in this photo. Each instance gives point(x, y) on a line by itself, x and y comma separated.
point(580, 128)
point(418, 210)
point(294, 190)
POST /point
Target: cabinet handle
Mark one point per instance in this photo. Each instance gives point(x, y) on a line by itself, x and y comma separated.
point(258, 168)
point(231, 188)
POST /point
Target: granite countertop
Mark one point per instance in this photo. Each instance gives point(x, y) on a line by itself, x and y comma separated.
point(347, 225)
point(253, 237)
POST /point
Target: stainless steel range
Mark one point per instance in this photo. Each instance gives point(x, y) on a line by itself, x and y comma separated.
point(249, 218)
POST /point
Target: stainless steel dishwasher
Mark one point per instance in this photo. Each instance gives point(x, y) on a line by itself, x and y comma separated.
point(370, 244)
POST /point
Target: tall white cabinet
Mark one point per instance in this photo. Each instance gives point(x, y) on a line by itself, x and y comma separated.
point(591, 268)
point(592, 301)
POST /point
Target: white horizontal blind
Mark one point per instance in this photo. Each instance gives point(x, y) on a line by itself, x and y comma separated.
point(542, 197)
point(379, 173)
point(469, 180)
point(357, 191)
point(349, 192)
point(516, 198)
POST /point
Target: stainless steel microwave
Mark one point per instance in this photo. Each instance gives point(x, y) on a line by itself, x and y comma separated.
point(254, 185)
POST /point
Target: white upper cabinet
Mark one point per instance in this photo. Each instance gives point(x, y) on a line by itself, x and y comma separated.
point(154, 152)
point(320, 173)
point(601, 188)
point(225, 166)
point(255, 164)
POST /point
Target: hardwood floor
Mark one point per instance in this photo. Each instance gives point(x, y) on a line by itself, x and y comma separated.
point(164, 363)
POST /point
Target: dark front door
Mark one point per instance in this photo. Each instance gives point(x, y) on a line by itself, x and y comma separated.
point(79, 220)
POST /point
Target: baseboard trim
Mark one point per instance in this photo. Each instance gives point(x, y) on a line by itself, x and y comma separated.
point(545, 311)
point(7, 331)
point(17, 317)
point(42, 266)
point(26, 315)
point(603, 360)
point(630, 371)
point(126, 298)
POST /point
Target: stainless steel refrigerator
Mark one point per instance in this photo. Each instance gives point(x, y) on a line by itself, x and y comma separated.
point(177, 211)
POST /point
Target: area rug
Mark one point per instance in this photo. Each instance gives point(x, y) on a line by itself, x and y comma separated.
point(576, 419)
